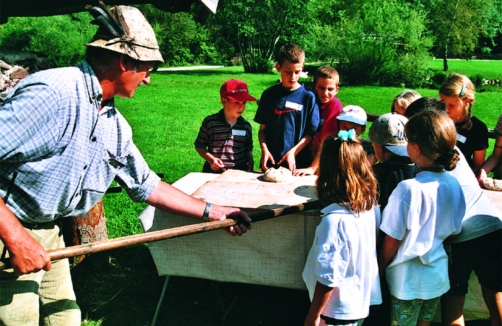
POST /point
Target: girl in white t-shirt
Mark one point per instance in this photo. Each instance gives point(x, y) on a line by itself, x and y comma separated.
point(341, 272)
point(421, 213)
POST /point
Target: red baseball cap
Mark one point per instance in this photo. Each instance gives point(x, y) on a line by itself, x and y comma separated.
point(236, 90)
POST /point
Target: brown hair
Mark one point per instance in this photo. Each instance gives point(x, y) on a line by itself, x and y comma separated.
point(345, 175)
point(436, 136)
point(460, 86)
point(291, 52)
point(327, 72)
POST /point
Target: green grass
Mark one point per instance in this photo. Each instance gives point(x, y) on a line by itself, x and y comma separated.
point(165, 117)
point(489, 69)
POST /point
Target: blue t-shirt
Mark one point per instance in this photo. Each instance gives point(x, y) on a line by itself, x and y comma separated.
point(288, 116)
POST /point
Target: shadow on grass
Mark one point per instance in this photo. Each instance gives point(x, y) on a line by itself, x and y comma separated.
point(127, 293)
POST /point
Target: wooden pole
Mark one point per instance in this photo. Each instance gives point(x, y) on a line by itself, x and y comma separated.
point(99, 246)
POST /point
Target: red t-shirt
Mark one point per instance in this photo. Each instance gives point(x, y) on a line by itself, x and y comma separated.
point(328, 124)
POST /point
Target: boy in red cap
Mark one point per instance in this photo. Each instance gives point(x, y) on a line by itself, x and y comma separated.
point(225, 139)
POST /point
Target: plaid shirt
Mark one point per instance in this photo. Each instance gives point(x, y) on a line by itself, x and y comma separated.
point(59, 153)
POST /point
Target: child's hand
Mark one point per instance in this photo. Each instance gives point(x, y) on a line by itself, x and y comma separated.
point(289, 158)
point(312, 320)
point(482, 178)
point(217, 165)
point(265, 158)
point(306, 171)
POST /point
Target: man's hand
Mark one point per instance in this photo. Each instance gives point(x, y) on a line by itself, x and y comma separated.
point(218, 213)
point(303, 172)
point(28, 256)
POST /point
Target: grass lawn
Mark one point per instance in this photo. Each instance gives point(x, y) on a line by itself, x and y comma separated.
point(165, 117)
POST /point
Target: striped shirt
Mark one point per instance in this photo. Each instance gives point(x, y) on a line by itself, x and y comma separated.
point(59, 153)
point(230, 144)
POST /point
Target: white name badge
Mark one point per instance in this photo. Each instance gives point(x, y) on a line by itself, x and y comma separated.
point(294, 106)
point(236, 132)
point(461, 138)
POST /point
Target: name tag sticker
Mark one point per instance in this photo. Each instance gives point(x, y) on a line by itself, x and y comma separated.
point(461, 138)
point(236, 132)
point(294, 106)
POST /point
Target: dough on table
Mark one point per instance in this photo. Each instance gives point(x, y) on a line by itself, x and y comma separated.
point(277, 175)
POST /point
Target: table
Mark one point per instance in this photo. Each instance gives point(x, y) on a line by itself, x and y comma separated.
point(272, 254)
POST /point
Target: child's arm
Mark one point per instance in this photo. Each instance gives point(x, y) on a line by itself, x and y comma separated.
point(319, 301)
point(215, 163)
point(478, 158)
point(265, 153)
point(387, 252)
point(290, 156)
point(250, 161)
point(311, 170)
point(494, 159)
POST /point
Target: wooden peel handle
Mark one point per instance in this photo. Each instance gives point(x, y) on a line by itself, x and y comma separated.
point(98, 246)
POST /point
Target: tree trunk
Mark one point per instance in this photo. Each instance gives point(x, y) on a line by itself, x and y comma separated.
point(86, 229)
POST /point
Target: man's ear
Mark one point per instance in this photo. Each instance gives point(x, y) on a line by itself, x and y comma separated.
point(123, 60)
point(277, 66)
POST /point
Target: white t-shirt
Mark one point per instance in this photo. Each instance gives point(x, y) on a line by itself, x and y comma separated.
point(422, 212)
point(343, 257)
point(481, 216)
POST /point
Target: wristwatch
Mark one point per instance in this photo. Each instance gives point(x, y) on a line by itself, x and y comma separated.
point(207, 210)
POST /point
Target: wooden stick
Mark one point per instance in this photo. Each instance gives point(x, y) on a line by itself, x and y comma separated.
point(98, 246)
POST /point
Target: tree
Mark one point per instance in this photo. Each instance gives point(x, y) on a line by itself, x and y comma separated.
point(383, 43)
point(457, 26)
point(257, 27)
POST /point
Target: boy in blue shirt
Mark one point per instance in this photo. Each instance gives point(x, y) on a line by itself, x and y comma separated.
point(288, 115)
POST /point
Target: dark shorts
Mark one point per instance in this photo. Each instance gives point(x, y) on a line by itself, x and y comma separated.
point(482, 255)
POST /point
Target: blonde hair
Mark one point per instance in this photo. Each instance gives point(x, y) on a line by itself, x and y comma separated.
point(345, 175)
point(436, 136)
point(460, 86)
point(327, 72)
point(291, 52)
point(404, 99)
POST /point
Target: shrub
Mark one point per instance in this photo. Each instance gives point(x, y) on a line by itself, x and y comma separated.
point(383, 43)
point(59, 38)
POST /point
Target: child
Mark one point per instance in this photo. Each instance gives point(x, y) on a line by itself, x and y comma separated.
point(326, 87)
point(288, 115)
point(478, 247)
point(421, 213)
point(387, 137)
point(494, 162)
point(457, 92)
point(402, 100)
point(353, 117)
point(225, 138)
point(341, 272)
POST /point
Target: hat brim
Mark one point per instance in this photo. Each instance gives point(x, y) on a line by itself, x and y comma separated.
point(398, 150)
point(139, 53)
point(241, 98)
point(352, 119)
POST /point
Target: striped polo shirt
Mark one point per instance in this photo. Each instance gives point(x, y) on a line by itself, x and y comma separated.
point(229, 144)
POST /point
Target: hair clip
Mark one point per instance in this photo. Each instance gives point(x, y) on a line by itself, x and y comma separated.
point(462, 90)
point(345, 135)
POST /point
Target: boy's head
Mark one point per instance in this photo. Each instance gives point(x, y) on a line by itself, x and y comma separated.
point(234, 95)
point(388, 131)
point(353, 117)
point(326, 81)
point(403, 100)
point(425, 103)
point(289, 64)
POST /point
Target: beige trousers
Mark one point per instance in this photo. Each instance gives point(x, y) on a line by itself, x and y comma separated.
point(42, 298)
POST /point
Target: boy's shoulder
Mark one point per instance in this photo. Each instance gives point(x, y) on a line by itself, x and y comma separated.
point(218, 116)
